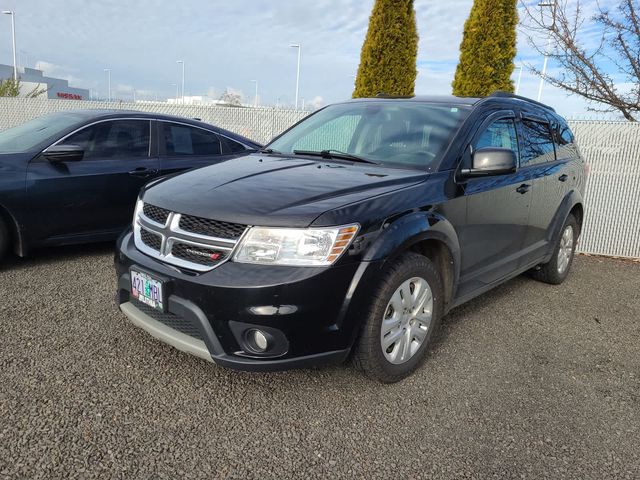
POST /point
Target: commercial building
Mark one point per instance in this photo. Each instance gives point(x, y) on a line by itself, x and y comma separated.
point(31, 79)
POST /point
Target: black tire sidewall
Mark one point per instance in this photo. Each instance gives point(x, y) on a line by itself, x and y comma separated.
point(407, 266)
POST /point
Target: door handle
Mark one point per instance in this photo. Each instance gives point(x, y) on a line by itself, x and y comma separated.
point(563, 177)
point(524, 188)
point(143, 172)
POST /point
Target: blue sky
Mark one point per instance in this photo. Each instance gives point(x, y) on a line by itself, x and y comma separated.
point(226, 44)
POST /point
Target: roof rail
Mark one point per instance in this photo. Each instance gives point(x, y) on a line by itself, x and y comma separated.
point(503, 94)
point(386, 95)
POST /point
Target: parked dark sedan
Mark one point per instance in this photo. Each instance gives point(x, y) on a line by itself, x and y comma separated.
point(73, 177)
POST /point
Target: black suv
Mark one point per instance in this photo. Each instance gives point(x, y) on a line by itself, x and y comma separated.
point(354, 232)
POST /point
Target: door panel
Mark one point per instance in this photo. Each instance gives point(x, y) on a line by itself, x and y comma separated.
point(492, 239)
point(541, 169)
point(497, 216)
point(96, 195)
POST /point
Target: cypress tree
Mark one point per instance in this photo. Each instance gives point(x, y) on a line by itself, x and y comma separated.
point(488, 48)
point(388, 57)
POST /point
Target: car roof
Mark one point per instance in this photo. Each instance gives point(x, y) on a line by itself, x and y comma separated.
point(444, 99)
point(498, 96)
point(98, 114)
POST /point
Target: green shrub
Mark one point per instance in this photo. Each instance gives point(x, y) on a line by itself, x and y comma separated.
point(388, 57)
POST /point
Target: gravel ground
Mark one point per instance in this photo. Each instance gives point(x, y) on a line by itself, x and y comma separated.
point(528, 381)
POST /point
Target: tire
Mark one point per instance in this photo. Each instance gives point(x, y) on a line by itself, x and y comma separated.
point(4, 239)
point(395, 363)
point(556, 270)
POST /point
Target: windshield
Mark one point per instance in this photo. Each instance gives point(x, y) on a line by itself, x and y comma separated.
point(393, 133)
point(26, 136)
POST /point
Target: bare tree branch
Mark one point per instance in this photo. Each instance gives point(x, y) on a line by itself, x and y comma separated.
point(596, 71)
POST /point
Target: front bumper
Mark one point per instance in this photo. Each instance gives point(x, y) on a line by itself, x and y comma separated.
point(310, 313)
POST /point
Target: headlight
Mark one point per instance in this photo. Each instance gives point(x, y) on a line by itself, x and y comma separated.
point(295, 246)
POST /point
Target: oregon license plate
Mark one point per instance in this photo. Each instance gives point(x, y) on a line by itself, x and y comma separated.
point(147, 290)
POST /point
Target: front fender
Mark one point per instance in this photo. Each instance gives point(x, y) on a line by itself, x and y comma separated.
point(396, 237)
point(410, 229)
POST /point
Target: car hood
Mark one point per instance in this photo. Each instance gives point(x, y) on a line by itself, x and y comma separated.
point(275, 191)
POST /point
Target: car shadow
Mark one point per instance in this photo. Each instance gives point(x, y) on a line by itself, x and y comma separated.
point(51, 255)
point(469, 308)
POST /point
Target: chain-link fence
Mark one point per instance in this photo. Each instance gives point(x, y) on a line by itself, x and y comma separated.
point(612, 149)
point(612, 202)
point(259, 124)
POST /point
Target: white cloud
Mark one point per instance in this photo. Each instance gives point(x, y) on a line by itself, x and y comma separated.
point(58, 71)
point(229, 43)
point(316, 101)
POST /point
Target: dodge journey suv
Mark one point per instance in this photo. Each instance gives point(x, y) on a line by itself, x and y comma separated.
point(354, 232)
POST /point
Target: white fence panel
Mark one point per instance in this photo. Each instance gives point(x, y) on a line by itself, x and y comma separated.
point(612, 149)
point(612, 199)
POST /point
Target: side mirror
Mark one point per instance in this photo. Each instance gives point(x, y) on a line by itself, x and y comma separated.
point(489, 161)
point(64, 153)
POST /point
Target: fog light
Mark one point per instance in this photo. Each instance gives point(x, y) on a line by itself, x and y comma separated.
point(259, 340)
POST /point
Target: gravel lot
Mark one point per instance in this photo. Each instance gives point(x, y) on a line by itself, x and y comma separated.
point(528, 381)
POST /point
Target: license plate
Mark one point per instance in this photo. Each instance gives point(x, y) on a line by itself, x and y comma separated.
point(147, 290)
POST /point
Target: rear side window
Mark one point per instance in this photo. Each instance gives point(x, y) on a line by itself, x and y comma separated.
point(183, 140)
point(501, 133)
point(113, 140)
point(233, 146)
point(565, 144)
point(537, 143)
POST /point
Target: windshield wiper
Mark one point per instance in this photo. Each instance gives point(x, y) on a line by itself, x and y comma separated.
point(332, 153)
point(268, 151)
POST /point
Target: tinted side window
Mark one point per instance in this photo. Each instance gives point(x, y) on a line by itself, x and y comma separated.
point(565, 146)
point(113, 139)
point(182, 140)
point(234, 147)
point(537, 143)
point(501, 133)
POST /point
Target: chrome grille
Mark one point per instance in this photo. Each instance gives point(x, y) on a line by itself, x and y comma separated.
point(197, 244)
point(151, 240)
point(157, 214)
point(211, 228)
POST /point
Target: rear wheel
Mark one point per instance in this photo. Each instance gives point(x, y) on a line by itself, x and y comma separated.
point(4, 239)
point(557, 269)
point(405, 311)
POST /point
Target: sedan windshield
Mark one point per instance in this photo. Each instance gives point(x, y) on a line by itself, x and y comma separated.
point(407, 134)
point(25, 137)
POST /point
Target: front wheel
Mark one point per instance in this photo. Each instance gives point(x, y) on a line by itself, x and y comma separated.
point(405, 311)
point(557, 269)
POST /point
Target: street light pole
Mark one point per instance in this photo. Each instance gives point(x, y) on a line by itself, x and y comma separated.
point(255, 98)
point(182, 62)
point(108, 71)
point(519, 78)
point(546, 52)
point(297, 72)
point(13, 37)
